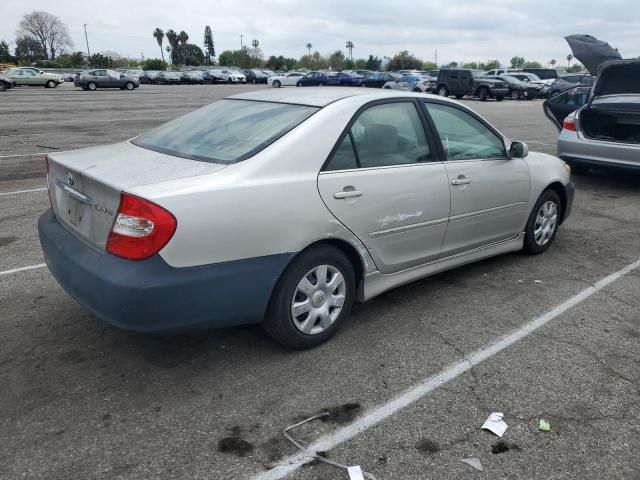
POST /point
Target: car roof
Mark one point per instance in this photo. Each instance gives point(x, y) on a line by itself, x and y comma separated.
point(322, 96)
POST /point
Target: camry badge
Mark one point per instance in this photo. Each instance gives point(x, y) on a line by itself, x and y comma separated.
point(70, 179)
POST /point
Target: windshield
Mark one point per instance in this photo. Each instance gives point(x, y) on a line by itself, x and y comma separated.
point(477, 73)
point(227, 131)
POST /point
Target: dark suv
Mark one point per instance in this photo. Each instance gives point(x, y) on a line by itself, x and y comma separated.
point(459, 83)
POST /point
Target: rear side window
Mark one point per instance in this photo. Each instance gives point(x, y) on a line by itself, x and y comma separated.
point(344, 157)
point(463, 136)
point(227, 131)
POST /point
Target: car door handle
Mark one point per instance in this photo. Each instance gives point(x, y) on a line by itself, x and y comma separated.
point(461, 180)
point(347, 194)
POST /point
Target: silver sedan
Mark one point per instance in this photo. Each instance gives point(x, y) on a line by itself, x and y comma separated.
point(285, 207)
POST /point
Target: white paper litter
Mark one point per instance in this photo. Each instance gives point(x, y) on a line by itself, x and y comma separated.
point(495, 424)
point(355, 473)
point(474, 462)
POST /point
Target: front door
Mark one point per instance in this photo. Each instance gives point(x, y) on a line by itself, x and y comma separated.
point(559, 106)
point(383, 183)
point(489, 191)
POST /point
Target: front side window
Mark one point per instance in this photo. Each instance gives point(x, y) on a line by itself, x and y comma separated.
point(390, 134)
point(227, 131)
point(463, 136)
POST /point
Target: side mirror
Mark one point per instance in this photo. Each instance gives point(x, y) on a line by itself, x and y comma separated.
point(518, 150)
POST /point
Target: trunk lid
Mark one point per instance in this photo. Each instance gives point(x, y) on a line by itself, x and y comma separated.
point(85, 184)
point(618, 77)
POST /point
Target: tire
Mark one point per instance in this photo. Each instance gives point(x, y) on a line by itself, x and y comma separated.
point(499, 99)
point(276, 83)
point(280, 322)
point(299, 84)
point(51, 84)
point(417, 90)
point(92, 86)
point(578, 168)
point(515, 95)
point(3, 86)
point(483, 94)
point(542, 224)
point(443, 91)
point(129, 86)
point(458, 96)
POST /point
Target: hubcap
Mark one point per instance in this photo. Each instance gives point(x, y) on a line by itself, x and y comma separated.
point(318, 299)
point(546, 222)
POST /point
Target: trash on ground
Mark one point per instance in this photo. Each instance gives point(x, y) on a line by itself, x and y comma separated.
point(495, 424)
point(355, 473)
point(322, 456)
point(544, 425)
point(537, 281)
point(474, 462)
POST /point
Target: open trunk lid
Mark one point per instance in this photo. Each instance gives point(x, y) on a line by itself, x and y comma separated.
point(618, 77)
point(85, 184)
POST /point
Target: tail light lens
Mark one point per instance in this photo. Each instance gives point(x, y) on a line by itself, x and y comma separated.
point(141, 228)
point(570, 123)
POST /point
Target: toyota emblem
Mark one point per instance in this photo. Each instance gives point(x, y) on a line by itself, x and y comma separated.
point(70, 179)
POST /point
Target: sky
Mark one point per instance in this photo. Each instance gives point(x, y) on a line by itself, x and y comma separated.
point(461, 31)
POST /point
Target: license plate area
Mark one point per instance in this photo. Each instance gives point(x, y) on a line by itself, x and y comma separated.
point(75, 210)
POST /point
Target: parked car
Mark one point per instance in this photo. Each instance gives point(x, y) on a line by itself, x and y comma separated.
point(496, 72)
point(600, 125)
point(33, 77)
point(409, 83)
point(236, 76)
point(42, 72)
point(543, 73)
point(566, 82)
point(168, 78)
point(148, 77)
point(133, 73)
point(461, 82)
point(379, 79)
point(255, 76)
point(191, 78)
point(70, 76)
point(312, 79)
point(131, 224)
point(214, 76)
point(269, 73)
point(343, 79)
point(5, 82)
point(519, 90)
point(286, 79)
point(102, 78)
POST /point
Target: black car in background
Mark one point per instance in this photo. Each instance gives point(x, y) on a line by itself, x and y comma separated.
point(102, 78)
point(168, 78)
point(255, 76)
point(461, 82)
point(191, 78)
point(378, 79)
point(5, 83)
point(519, 90)
point(562, 84)
point(148, 77)
point(209, 76)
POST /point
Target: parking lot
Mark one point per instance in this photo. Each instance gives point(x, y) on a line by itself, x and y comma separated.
point(79, 399)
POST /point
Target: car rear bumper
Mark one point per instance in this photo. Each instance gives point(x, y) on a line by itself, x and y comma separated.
point(150, 295)
point(574, 146)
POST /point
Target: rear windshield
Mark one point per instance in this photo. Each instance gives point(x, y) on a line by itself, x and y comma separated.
point(227, 131)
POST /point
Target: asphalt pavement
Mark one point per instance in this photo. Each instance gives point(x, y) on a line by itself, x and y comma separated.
point(82, 400)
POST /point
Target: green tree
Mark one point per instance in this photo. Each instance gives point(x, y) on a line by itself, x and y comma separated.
point(471, 65)
point(158, 34)
point(193, 55)
point(531, 64)
point(275, 63)
point(172, 38)
point(290, 63)
point(575, 68)
point(97, 60)
point(429, 66)
point(154, 64)
point(373, 63)
point(28, 50)
point(47, 30)
point(182, 44)
point(404, 61)
point(209, 48)
point(47, 64)
point(350, 47)
point(309, 47)
point(72, 60)
point(517, 62)
point(336, 60)
point(553, 62)
point(360, 63)
point(5, 53)
point(490, 65)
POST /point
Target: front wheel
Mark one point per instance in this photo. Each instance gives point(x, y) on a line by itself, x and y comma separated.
point(92, 86)
point(51, 84)
point(277, 84)
point(299, 84)
point(129, 86)
point(443, 92)
point(483, 94)
point(312, 298)
point(3, 86)
point(515, 95)
point(499, 99)
point(543, 222)
point(458, 96)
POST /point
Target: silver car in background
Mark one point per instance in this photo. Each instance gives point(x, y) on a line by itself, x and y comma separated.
point(284, 207)
point(600, 125)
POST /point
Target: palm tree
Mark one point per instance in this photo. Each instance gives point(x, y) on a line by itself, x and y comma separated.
point(172, 38)
point(158, 34)
point(309, 47)
point(569, 58)
point(350, 47)
point(183, 38)
point(553, 62)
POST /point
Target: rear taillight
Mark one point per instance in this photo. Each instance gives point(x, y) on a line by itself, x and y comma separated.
point(46, 166)
point(141, 228)
point(570, 124)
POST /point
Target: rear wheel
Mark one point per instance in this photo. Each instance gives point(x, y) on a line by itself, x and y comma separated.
point(543, 222)
point(483, 94)
point(458, 96)
point(515, 95)
point(277, 84)
point(312, 298)
point(417, 90)
point(92, 86)
point(3, 86)
point(499, 99)
point(129, 86)
point(299, 84)
point(443, 91)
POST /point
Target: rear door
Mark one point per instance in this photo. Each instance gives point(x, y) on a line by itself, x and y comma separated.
point(385, 183)
point(489, 191)
point(466, 81)
point(454, 82)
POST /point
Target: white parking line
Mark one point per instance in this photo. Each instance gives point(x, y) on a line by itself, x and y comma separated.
point(23, 155)
point(377, 415)
point(16, 192)
point(22, 269)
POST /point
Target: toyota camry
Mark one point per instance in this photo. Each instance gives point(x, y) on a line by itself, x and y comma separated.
point(285, 207)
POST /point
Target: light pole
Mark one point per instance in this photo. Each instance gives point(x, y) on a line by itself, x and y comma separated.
point(87, 40)
point(241, 41)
